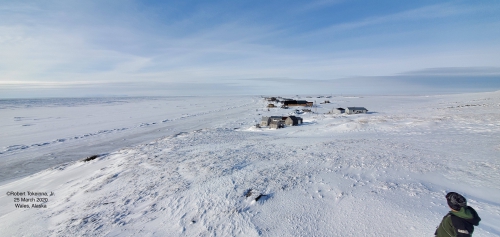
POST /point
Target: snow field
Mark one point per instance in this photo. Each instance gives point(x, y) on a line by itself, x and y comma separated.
point(379, 174)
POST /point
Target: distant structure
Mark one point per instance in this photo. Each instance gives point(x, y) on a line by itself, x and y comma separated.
point(266, 121)
point(292, 120)
point(280, 122)
point(289, 103)
point(270, 106)
point(271, 98)
point(277, 124)
point(356, 110)
point(338, 111)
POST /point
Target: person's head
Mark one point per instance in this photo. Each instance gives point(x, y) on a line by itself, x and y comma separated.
point(455, 201)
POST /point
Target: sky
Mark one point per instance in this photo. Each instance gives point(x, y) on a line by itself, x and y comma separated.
point(133, 48)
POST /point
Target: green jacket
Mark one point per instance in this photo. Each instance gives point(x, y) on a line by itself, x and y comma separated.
point(458, 223)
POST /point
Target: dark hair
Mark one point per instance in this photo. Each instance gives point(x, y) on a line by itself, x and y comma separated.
point(456, 201)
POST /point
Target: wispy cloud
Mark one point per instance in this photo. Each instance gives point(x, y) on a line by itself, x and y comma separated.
point(82, 44)
point(456, 71)
point(49, 84)
point(426, 12)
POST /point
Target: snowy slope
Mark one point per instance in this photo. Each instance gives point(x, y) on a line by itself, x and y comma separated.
point(379, 174)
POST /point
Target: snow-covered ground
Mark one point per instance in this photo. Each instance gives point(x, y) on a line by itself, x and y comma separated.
point(197, 166)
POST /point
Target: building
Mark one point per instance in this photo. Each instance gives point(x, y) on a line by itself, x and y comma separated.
point(270, 106)
point(277, 124)
point(280, 122)
point(271, 98)
point(356, 110)
point(285, 99)
point(293, 121)
point(266, 121)
point(338, 111)
point(297, 103)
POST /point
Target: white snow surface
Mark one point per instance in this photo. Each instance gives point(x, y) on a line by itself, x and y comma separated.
point(195, 166)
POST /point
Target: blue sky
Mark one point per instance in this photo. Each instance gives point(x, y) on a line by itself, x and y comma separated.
point(92, 48)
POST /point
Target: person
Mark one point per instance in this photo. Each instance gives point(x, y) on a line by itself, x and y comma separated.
point(460, 221)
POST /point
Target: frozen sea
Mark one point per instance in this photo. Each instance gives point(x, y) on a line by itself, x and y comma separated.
point(198, 166)
point(40, 133)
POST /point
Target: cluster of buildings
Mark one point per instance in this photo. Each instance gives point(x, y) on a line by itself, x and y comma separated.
point(350, 110)
point(280, 122)
point(290, 102)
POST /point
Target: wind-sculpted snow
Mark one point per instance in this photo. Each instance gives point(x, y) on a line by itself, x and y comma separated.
point(379, 174)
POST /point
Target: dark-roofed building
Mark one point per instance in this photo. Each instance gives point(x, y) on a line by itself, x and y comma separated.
point(280, 122)
point(338, 111)
point(292, 120)
point(356, 110)
point(297, 103)
point(266, 121)
point(271, 98)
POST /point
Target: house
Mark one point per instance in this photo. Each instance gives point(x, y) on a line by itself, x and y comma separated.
point(277, 124)
point(356, 110)
point(338, 111)
point(270, 106)
point(293, 121)
point(285, 99)
point(271, 98)
point(266, 121)
point(298, 103)
point(280, 122)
